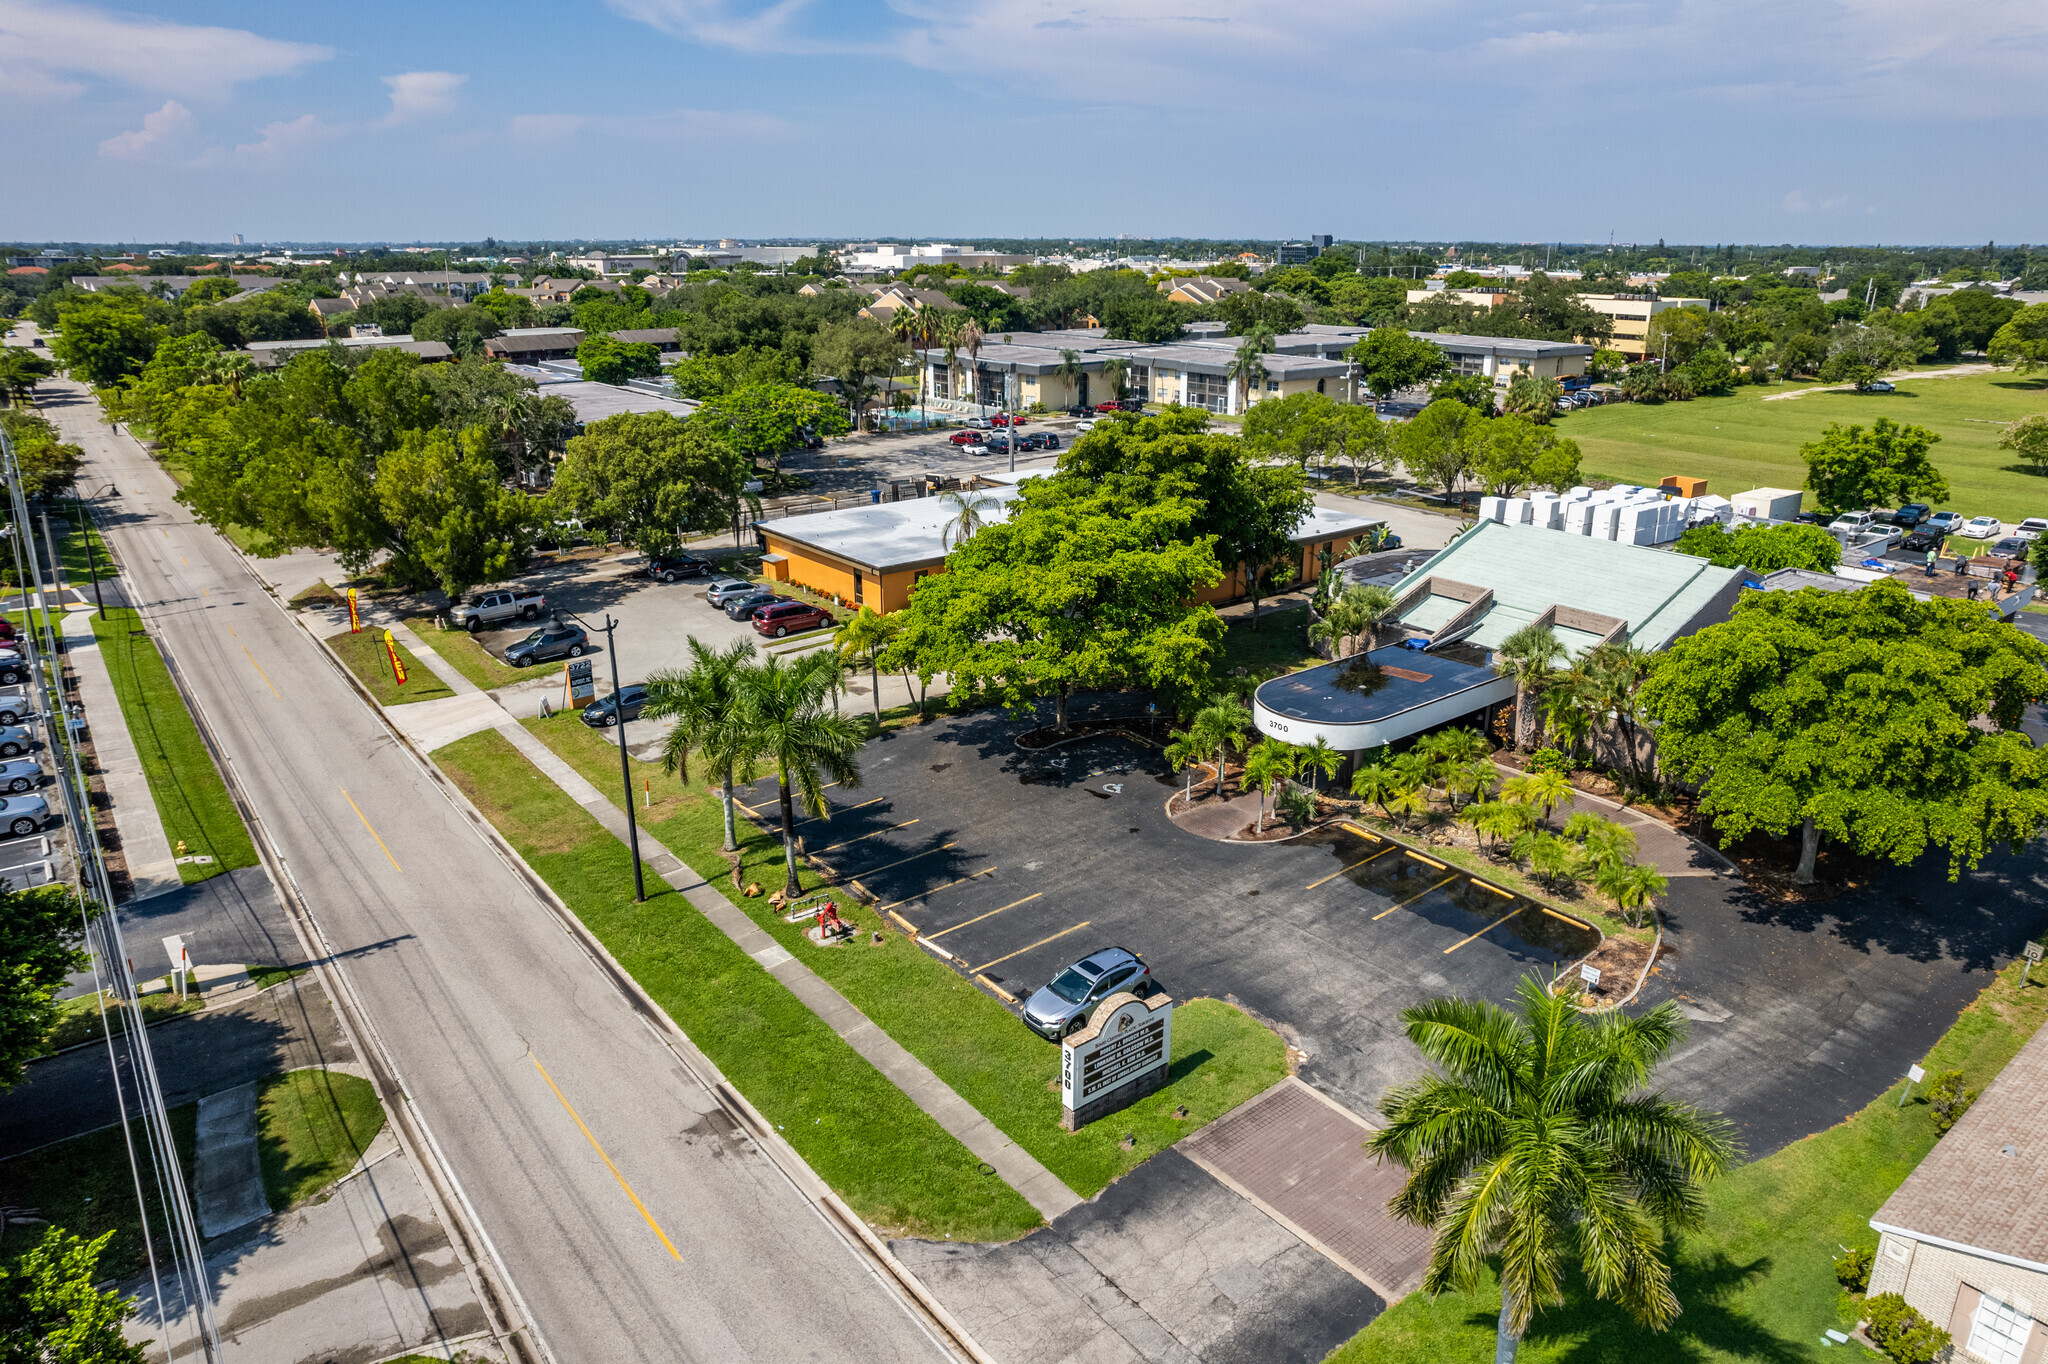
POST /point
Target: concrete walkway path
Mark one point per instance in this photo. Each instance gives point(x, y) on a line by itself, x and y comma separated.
point(227, 1173)
point(152, 867)
point(1040, 1186)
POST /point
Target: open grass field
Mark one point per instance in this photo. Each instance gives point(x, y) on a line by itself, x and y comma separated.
point(1221, 1056)
point(1746, 440)
point(1757, 1282)
point(892, 1163)
point(190, 796)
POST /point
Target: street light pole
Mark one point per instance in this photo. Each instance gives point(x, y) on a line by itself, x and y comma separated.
point(625, 772)
point(91, 560)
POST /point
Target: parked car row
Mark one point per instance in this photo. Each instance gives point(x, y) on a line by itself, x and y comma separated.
point(773, 614)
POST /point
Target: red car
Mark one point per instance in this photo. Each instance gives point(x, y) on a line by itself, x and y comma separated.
point(1109, 407)
point(783, 617)
point(966, 438)
point(1004, 419)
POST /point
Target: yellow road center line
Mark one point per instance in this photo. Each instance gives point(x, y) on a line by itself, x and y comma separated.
point(584, 1128)
point(870, 871)
point(231, 630)
point(1482, 932)
point(876, 834)
point(373, 832)
point(1040, 943)
point(936, 889)
point(979, 917)
point(1353, 867)
point(260, 673)
point(185, 561)
point(1413, 898)
point(166, 534)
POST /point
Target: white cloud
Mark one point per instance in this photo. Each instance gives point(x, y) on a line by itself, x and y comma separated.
point(672, 126)
point(160, 132)
point(762, 28)
point(422, 94)
point(277, 146)
point(43, 46)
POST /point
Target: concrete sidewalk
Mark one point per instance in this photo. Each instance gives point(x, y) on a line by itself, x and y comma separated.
point(152, 867)
point(1018, 1167)
point(227, 1175)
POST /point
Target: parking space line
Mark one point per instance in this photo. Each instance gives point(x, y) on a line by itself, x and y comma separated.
point(923, 894)
point(1362, 833)
point(1413, 898)
point(1040, 943)
point(1504, 894)
point(862, 806)
point(1353, 867)
point(870, 871)
point(876, 834)
point(1562, 918)
point(990, 915)
point(1426, 861)
point(1482, 932)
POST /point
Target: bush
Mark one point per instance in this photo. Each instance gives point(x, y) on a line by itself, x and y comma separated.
point(1852, 1269)
point(1895, 1327)
point(1297, 805)
point(1949, 1100)
point(1549, 760)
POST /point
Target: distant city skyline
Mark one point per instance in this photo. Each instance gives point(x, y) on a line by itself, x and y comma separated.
point(1898, 122)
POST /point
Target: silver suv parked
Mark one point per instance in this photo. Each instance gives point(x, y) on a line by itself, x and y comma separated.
point(1063, 1006)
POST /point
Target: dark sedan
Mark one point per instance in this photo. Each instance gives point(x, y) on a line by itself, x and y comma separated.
point(1912, 514)
point(669, 567)
point(1920, 541)
point(625, 703)
point(556, 640)
point(742, 606)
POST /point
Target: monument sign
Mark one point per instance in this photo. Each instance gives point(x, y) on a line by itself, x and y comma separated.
point(1120, 1057)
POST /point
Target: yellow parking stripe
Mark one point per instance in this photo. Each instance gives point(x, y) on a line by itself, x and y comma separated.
point(979, 917)
point(862, 806)
point(936, 889)
point(870, 871)
point(1040, 943)
point(1482, 932)
point(1413, 898)
point(876, 834)
point(1354, 866)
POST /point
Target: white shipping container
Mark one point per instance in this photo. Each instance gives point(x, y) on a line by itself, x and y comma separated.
point(1545, 511)
point(1516, 511)
point(1605, 519)
point(1489, 508)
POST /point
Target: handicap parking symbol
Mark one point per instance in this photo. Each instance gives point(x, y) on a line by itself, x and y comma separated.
point(1115, 788)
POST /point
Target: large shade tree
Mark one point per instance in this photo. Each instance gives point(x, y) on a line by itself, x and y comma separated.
point(1850, 467)
point(1870, 718)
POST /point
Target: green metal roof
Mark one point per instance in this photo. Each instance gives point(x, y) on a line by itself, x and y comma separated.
point(1657, 592)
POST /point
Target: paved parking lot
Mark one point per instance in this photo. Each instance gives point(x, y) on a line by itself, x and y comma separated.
point(1013, 864)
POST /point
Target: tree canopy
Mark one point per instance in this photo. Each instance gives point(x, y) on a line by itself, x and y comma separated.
point(1764, 549)
point(1390, 360)
point(41, 932)
point(1866, 717)
point(1850, 468)
point(607, 361)
point(638, 477)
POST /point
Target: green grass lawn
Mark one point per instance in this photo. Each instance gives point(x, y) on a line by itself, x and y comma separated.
point(363, 652)
point(1742, 441)
point(266, 976)
point(85, 1186)
point(467, 656)
point(78, 1020)
point(894, 1165)
point(312, 1126)
point(190, 796)
point(1757, 1282)
point(1221, 1056)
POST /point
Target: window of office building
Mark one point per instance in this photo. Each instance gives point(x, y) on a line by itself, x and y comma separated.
point(1138, 380)
point(1998, 1332)
point(1211, 391)
point(859, 595)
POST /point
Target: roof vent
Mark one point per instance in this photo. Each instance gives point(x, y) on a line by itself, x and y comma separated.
point(2008, 1150)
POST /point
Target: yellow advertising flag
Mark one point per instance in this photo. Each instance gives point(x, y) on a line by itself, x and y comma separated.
point(391, 648)
point(355, 622)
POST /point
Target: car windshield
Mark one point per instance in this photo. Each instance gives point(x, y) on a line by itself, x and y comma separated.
point(476, 599)
point(535, 636)
point(1071, 986)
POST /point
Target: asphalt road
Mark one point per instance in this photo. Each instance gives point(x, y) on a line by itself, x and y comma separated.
point(474, 989)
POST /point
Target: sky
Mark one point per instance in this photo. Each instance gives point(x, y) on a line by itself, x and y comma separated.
point(1822, 121)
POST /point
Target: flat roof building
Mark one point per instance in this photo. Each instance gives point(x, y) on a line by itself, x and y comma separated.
point(1464, 601)
point(534, 343)
point(1631, 314)
point(269, 354)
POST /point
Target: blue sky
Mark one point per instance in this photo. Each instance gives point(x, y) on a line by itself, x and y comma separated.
point(1813, 121)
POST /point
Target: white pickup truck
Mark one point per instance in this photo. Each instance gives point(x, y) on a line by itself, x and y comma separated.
point(498, 607)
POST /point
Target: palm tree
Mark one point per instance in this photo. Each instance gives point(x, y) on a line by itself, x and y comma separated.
point(783, 702)
point(1632, 887)
point(1502, 821)
point(1527, 656)
point(1247, 367)
point(968, 509)
point(1186, 753)
point(1116, 373)
point(912, 327)
point(1071, 373)
point(968, 337)
point(1380, 784)
point(1472, 777)
point(1265, 767)
point(1359, 611)
point(1405, 803)
point(863, 638)
point(1606, 842)
point(1552, 860)
point(1539, 790)
point(1534, 1139)
point(1319, 757)
point(948, 335)
point(704, 700)
point(1615, 673)
point(1220, 724)
point(1463, 745)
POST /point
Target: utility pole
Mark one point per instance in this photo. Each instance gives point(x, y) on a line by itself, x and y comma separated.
point(625, 772)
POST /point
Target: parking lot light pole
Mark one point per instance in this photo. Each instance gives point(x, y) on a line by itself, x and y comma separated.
point(625, 771)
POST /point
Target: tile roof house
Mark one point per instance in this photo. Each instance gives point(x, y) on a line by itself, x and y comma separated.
point(889, 301)
point(1965, 1238)
point(1202, 289)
